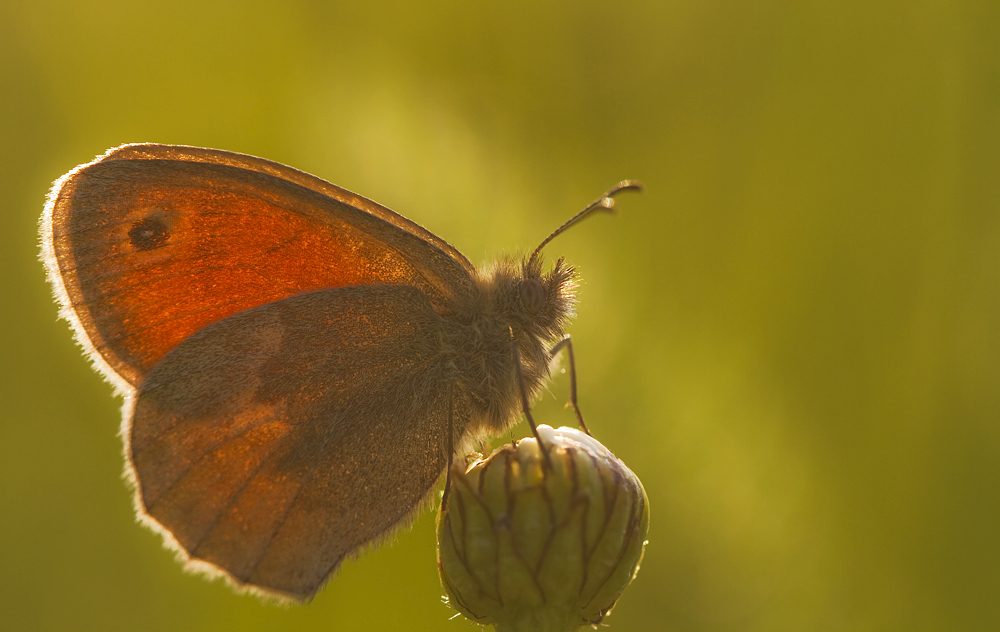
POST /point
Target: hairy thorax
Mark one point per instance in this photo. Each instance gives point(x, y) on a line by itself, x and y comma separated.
point(515, 307)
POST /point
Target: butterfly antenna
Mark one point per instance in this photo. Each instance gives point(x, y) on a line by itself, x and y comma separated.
point(604, 203)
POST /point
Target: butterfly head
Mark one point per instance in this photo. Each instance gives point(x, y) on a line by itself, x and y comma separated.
point(527, 300)
point(544, 300)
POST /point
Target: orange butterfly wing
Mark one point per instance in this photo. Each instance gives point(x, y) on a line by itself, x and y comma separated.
point(150, 243)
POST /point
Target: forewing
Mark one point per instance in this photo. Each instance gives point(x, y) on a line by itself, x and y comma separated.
point(149, 243)
point(277, 442)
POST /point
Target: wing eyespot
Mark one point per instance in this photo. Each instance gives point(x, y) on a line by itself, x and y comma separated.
point(149, 233)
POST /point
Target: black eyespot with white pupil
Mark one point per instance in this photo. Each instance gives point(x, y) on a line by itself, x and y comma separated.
point(532, 295)
point(149, 234)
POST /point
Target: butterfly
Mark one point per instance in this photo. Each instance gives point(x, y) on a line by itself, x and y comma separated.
point(298, 363)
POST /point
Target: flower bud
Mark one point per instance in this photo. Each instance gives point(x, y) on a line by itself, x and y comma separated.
point(527, 544)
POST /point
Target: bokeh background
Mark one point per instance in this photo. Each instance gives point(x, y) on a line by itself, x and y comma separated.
point(793, 337)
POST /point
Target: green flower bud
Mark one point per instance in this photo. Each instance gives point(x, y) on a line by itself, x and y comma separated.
point(529, 546)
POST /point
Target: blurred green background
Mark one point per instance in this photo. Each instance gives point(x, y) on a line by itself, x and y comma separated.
point(793, 337)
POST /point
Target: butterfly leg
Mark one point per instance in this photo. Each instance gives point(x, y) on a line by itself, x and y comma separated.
point(451, 443)
point(525, 405)
point(567, 343)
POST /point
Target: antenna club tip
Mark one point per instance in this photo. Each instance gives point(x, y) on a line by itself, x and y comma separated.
point(630, 185)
